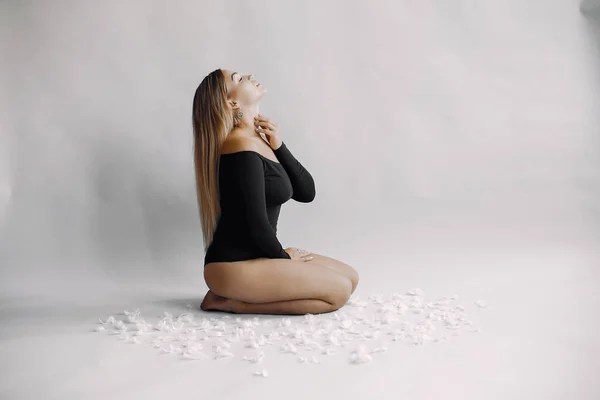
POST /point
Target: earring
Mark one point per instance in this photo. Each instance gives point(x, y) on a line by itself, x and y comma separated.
point(239, 113)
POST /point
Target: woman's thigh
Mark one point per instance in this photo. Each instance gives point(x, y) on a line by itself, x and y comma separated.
point(336, 266)
point(265, 280)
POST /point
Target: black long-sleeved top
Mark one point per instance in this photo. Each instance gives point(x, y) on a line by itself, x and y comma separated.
point(252, 189)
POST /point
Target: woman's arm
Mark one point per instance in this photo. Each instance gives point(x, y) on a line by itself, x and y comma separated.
point(302, 182)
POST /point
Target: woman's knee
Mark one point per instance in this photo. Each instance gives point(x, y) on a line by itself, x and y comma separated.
point(339, 267)
point(339, 297)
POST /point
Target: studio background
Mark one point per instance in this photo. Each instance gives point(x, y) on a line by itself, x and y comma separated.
point(454, 146)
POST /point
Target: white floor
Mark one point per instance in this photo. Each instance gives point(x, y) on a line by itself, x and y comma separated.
point(538, 339)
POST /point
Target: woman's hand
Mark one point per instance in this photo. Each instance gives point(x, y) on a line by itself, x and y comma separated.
point(299, 254)
point(270, 128)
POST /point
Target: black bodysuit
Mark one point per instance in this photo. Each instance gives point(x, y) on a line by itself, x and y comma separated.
point(252, 189)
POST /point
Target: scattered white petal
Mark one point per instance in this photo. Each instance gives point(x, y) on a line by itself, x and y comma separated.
point(480, 303)
point(381, 349)
point(360, 356)
point(377, 299)
point(186, 317)
point(167, 350)
point(372, 334)
point(222, 344)
point(133, 340)
point(333, 340)
point(194, 347)
point(298, 334)
point(264, 373)
point(223, 353)
point(124, 335)
point(194, 355)
point(355, 301)
point(346, 324)
point(328, 334)
point(415, 292)
point(289, 348)
point(285, 322)
point(257, 358)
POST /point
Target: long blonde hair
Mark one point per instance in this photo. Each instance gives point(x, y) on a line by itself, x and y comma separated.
point(212, 120)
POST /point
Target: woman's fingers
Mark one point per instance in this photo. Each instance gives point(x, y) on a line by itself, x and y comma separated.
point(305, 255)
point(265, 131)
point(264, 121)
point(269, 125)
point(262, 118)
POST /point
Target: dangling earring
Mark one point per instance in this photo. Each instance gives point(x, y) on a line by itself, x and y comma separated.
point(239, 113)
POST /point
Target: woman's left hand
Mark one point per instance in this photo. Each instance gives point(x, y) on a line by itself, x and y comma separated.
point(270, 128)
point(304, 254)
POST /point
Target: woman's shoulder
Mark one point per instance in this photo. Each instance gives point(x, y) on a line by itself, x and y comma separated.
point(245, 144)
point(234, 144)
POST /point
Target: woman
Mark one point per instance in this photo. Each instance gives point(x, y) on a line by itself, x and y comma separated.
point(242, 179)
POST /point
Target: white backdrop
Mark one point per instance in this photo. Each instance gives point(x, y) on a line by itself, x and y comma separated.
point(428, 128)
point(438, 133)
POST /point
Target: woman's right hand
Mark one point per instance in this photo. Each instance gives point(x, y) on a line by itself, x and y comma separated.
point(299, 254)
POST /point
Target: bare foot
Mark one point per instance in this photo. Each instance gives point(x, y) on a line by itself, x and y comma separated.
point(213, 302)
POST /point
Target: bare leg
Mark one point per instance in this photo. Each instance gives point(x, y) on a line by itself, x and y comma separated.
point(213, 302)
point(337, 266)
point(274, 286)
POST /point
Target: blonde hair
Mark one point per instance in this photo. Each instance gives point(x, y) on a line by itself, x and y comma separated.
point(212, 121)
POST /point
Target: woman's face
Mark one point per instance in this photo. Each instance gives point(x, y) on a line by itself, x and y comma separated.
point(244, 89)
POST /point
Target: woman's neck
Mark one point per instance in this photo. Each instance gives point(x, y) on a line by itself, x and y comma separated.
point(245, 132)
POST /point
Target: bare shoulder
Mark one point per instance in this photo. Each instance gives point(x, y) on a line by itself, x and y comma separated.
point(239, 143)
